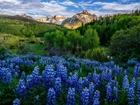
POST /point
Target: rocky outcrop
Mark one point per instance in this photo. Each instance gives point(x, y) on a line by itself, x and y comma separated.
point(54, 19)
point(79, 20)
point(57, 19)
point(43, 19)
point(27, 16)
point(72, 23)
point(24, 17)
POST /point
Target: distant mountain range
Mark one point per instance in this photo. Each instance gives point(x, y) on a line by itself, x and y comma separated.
point(24, 17)
point(73, 22)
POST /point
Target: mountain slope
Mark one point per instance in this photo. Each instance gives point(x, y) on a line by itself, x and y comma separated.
point(79, 19)
point(53, 20)
point(107, 26)
point(18, 25)
point(24, 17)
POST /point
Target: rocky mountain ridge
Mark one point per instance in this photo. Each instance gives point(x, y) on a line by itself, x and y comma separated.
point(54, 19)
point(74, 22)
point(23, 17)
point(79, 19)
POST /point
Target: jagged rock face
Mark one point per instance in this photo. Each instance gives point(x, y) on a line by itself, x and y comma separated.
point(28, 17)
point(43, 19)
point(79, 20)
point(72, 23)
point(57, 19)
point(54, 20)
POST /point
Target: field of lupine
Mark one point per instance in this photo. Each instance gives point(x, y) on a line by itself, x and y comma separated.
point(38, 80)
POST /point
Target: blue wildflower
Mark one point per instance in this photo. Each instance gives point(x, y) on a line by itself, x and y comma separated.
point(48, 76)
point(115, 93)
point(96, 98)
point(16, 102)
point(133, 83)
point(108, 93)
point(21, 88)
point(125, 84)
point(71, 96)
point(58, 86)
point(130, 96)
point(91, 92)
point(51, 97)
point(84, 97)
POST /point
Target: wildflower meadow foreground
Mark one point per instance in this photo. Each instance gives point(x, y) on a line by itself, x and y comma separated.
point(40, 80)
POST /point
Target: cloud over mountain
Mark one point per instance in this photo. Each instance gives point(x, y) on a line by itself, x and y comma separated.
point(37, 8)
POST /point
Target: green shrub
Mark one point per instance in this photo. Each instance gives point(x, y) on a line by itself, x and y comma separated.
point(100, 54)
point(32, 39)
point(2, 50)
point(125, 44)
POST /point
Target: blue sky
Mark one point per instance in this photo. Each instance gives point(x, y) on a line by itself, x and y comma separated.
point(41, 8)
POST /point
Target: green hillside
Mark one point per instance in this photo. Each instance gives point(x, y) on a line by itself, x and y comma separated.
point(120, 33)
point(107, 26)
point(22, 36)
point(24, 28)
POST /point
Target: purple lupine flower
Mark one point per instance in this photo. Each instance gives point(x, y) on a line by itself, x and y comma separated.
point(79, 86)
point(96, 102)
point(117, 70)
point(109, 93)
point(5, 75)
point(91, 92)
point(72, 80)
point(29, 81)
point(61, 72)
point(36, 78)
point(17, 69)
point(138, 89)
point(138, 103)
point(69, 82)
point(58, 86)
point(16, 102)
point(23, 75)
point(71, 96)
point(51, 97)
point(75, 78)
point(96, 98)
point(112, 82)
point(115, 93)
point(96, 79)
point(89, 77)
point(125, 72)
point(135, 73)
point(84, 100)
point(130, 96)
point(125, 84)
point(103, 76)
point(8, 78)
point(85, 82)
point(133, 83)
point(21, 88)
point(48, 76)
point(108, 75)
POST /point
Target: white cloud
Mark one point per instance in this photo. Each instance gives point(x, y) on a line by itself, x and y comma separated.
point(34, 8)
point(55, 7)
point(105, 8)
point(120, 7)
point(69, 3)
